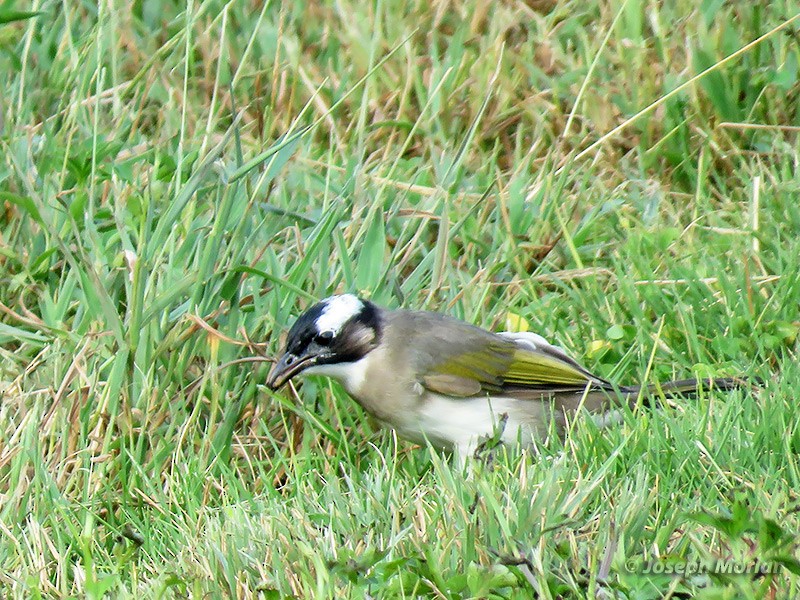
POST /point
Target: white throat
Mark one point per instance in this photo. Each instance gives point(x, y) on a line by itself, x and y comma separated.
point(350, 374)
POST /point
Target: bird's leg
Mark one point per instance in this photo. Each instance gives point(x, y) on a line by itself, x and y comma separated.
point(486, 448)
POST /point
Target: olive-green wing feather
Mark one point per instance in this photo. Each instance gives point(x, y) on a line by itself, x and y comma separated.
point(537, 362)
point(494, 370)
point(529, 368)
point(457, 359)
point(452, 385)
point(468, 373)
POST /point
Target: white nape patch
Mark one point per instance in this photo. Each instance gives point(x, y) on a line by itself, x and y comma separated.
point(338, 311)
point(350, 374)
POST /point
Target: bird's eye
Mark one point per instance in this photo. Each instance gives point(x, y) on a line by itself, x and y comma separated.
point(323, 338)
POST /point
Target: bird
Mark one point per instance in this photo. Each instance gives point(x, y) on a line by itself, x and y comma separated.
point(441, 381)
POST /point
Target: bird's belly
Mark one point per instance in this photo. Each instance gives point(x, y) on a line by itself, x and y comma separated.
point(462, 423)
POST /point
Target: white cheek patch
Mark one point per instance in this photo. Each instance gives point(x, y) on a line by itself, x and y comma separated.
point(338, 311)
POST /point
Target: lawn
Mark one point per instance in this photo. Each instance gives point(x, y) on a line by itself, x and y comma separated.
point(180, 181)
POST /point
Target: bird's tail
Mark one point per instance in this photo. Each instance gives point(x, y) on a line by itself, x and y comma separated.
point(684, 387)
point(687, 388)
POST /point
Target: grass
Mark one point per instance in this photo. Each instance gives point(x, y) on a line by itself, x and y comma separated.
point(180, 181)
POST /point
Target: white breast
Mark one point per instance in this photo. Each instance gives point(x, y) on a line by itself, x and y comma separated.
point(462, 423)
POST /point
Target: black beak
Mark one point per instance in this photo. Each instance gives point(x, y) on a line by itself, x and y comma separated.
point(287, 367)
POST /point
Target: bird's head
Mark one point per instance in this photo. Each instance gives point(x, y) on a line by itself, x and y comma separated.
point(339, 329)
